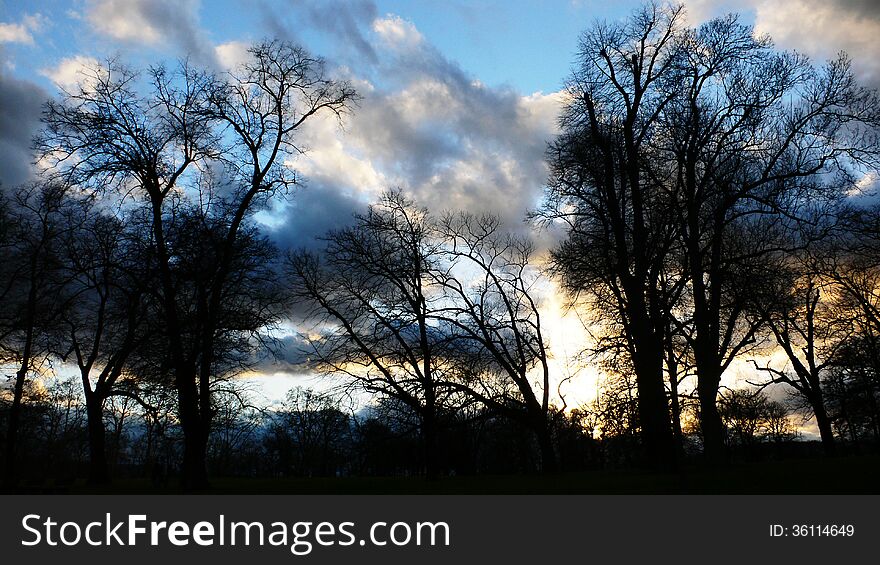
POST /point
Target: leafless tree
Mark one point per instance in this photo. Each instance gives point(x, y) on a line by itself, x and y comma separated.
point(709, 164)
point(310, 434)
point(751, 417)
point(494, 321)
point(32, 290)
point(811, 330)
point(603, 186)
point(369, 294)
point(218, 141)
point(850, 265)
point(104, 321)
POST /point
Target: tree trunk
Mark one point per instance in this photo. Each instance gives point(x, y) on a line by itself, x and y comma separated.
point(674, 400)
point(709, 369)
point(653, 408)
point(99, 473)
point(677, 434)
point(549, 464)
point(431, 446)
point(194, 472)
point(10, 474)
point(710, 419)
point(825, 431)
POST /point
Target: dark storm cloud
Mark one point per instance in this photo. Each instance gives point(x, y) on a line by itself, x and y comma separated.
point(290, 353)
point(867, 9)
point(20, 105)
point(314, 209)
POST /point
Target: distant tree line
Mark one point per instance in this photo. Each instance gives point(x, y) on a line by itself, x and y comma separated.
point(703, 185)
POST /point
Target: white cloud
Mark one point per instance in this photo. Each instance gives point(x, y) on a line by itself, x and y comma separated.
point(123, 20)
point(331, 160)
point(397, 33)
point(819, 28)
point(156, 23)
point(232, 54)
point(540, 111)
point(22, 32)
point(71, 71)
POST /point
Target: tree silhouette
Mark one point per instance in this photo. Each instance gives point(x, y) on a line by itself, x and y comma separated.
point(757, 141)
point(751, 417)
point(32, 291)
point(696, 151)
point(495, 322)
point(113, 133)
point(104, 321)
point(371, 289)
point(603, 187)
point(811, 331)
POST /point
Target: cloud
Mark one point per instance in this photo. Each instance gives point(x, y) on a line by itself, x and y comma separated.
point(819, 28)
point(232, 54)
point(15, 33)
point(397, 32)
point(314, 209)
point(154, 23)
point(20, 105)
point(343, 19)
point(71, 71)
point(290, 354)
point(22, 32)
point(428, 127)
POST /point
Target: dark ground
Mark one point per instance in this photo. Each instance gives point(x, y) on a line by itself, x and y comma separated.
point(845, 475)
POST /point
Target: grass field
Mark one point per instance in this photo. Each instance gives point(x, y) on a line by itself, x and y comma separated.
point(849, 475)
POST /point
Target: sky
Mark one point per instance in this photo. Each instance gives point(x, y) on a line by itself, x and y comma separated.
point(459, 98)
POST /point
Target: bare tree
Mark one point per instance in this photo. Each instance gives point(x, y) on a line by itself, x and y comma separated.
point(219, 141)
point(711, 161)
point(849, 262)
point(369, 295)
point(757, 139)
point(603, 186)
point(811, 330)
point(311, 434)
point(433, 313)
point(103, 323)
point(751, 417)
point(494, 322)
point(32, 291)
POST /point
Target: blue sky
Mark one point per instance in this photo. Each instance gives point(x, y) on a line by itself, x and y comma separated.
point(523, 44)
point(518, 46)
point(459, 98)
